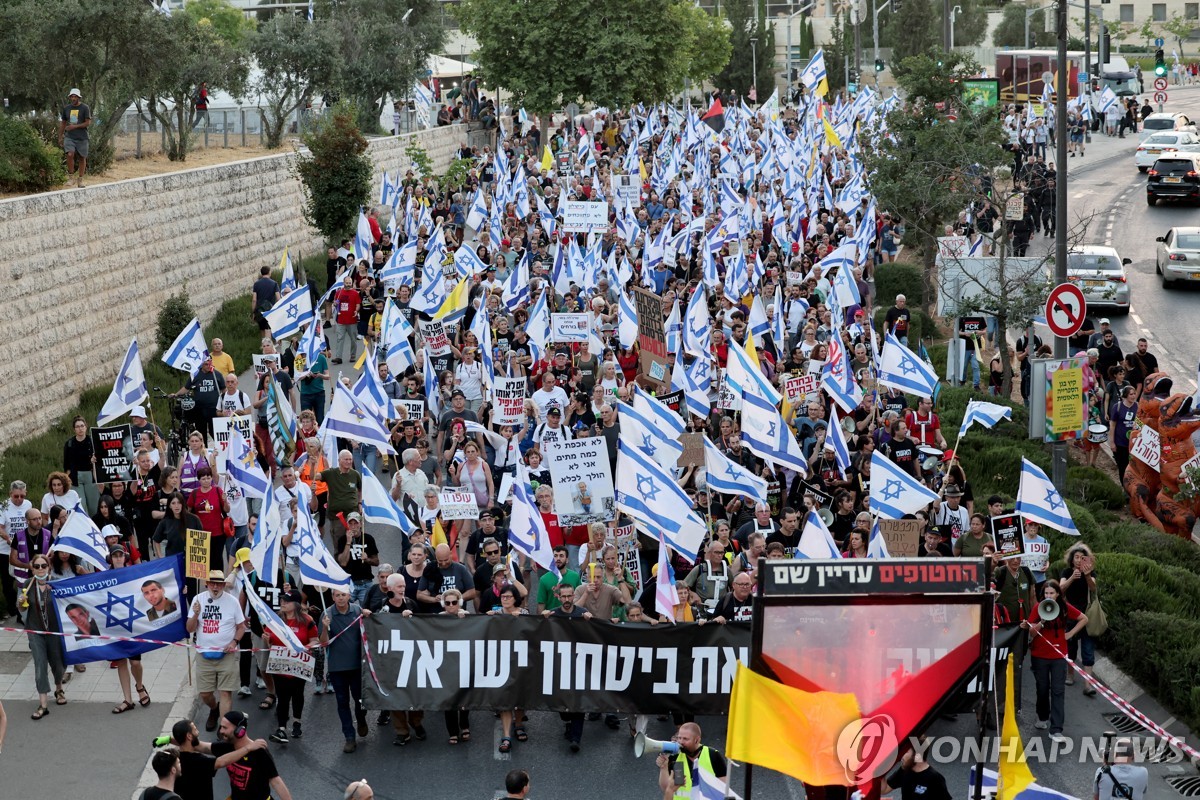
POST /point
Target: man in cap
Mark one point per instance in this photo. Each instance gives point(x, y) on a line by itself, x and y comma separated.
point(552, 431)
point(73, 134)
point(1097, 338)
point(218, 622)
point(357, 553)
point(138, 425)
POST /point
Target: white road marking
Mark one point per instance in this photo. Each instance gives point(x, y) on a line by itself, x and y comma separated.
point(1135, 318)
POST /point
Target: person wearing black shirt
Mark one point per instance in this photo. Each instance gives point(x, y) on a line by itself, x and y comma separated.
point(357, 553)
point(897, 319)
point(903, 450)
point(916, 780)
point(199, 764)
point(737, 605)
point(254, 775)
point(1024, 356)
point(572, 721)
point(165, 764)
point(206, 387)
point(77, 463)
point(333, 265)
point(266, 294)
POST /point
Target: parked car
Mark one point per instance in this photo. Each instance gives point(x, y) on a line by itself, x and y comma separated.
point(1178, 256)
point(1164, 144)
point(1174, 177)
point(1100, 272)
point(1164, 121)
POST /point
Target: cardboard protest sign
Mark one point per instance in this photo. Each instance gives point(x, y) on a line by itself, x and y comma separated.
point(583, 486)
point(652, 335)
point(113, 447)
point(508, 401)
point(627, 552)
point(221, 433)
point(902, 536)
point(196, 554)
point(457, 505)
point(1006, 533)
point(433, 332)
point(798, 387)
point(1147, 448)
point(570, 328)
point(282, 661)
point(693, 450)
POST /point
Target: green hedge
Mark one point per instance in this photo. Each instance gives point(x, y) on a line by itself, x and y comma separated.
point(899, 278)
point(28, 163)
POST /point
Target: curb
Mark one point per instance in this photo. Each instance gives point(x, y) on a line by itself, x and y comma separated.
point(185, 706)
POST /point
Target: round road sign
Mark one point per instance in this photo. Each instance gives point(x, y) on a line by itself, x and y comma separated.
point(1065, 310)
point(1160, 84)
point(1160, 97)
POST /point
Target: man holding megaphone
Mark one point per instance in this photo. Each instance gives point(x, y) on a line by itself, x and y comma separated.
point(1048, 649)
point(680, 759)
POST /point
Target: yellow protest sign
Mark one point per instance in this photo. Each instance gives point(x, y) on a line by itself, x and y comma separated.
point(1066, 407)
point(197, 554)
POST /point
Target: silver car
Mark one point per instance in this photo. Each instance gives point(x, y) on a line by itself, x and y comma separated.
point(1178, 256)
point(1100, 272)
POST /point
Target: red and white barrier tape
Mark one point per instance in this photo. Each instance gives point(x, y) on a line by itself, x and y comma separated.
point(370, 661)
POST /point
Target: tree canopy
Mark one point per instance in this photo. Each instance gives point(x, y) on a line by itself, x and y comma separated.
point(747, 23)
point(1011, 30)
point(612, 52)
point(296, 59)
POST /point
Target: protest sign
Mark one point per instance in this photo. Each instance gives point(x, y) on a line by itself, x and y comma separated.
point(902, 536)
point(508, 402)
point(197, 554)
point(261, 360)
point(798, 387)
point(413, 409)
point(672, 400)
point(221, 433)
point(627, 552)
point(727, 398)
point(1006, 533)
point(1147, 447)
point(627, 188)
point(583, 486)
point(282, 661)
point(1066, 411)
point(584, 216)
point(953, 246)
point(795, 278)
point(652, 335)
point(457, 505)
point(113, 447)
point(433, 332)
point(569, 328)
point(693, 450)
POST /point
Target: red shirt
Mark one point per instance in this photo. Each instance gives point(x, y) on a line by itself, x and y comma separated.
point(628, 362)
point(1053, 633)
point(303, 626)
point(553, 529)
point(376, 231)
point(346, 301)
point(207, 506)
point(923, 429)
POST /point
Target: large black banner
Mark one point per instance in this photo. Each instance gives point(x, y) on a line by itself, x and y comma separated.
point(439, 663)
point(868, 576)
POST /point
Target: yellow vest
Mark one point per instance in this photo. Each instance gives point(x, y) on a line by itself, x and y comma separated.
point(705, 762)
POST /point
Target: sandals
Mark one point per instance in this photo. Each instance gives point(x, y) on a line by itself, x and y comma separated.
point(124, 706)
point(465, 735)
point(522, 736)
point(268, 703)
point(41, 712)
point(505, 744)
point(60, 697)
point(143, 696)
point(452, 740)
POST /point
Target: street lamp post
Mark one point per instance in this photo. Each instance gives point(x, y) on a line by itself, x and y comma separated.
point(754, 65)
point(1029, 14)
point(875, 32)
point(788, 60)
point(954, 12)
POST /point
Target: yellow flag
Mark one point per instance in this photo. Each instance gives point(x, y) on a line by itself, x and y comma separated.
point(823, 87)
point(831, 135)
point(362, 359)
point(1015, 776)
point(455, 305)
point(642, 170)
point(284, 260)
point(547, 164)
point(788, 730)
point(752, 350)
point(439, 535)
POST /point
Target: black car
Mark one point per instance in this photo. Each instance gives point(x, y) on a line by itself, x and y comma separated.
point(1175, 177)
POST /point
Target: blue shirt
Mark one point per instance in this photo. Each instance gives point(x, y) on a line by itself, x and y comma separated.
point(345, 652)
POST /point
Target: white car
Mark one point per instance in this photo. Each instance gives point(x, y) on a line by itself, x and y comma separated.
point(1100, 272)
point(1156, 144)
point(1178, 256)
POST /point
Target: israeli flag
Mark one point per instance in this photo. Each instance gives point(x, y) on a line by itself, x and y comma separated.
point(652, 497)
point(549, 223)
point(744, 378)
point(468, 263)
point(128, 391)
point(694, 381)
point(902, 369)
point(351, 418)
point(243, 467)
point(836, 438)
point(894, 492)
point(538, 327)
point(1108, 99)
point(768, 436)
point(723, 475)
point(270, 619)
point(312, 342)
point(527, 530)
point(396, 334)
point(289, 316)
point(641, 432)
point(815, 540)
point(673, 328)
point(287, 272)
point(1038, 500)
point(481, 327)
point(697, 325)
point(431, 385)
point(658, 412)
point(479, 211)
point(401, 266)
point(79, 536)
point(189, 350)
point(266, 551)
point(757, 321)
point(380, 508)
point(317, 565)
point(627, 321)
point(985, 413)
point(877, 547)
point(516, 286)
point(845, 289)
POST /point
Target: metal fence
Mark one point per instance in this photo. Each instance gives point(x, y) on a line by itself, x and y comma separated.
point(139, 135)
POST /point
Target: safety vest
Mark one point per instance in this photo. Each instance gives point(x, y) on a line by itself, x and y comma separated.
point(704, 761)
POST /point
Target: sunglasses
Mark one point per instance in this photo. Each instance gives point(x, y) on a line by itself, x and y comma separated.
point(491, 552)
point(40, 566)
point(451, 602)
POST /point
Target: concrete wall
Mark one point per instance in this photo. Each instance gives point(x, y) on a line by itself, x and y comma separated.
point(84, 270)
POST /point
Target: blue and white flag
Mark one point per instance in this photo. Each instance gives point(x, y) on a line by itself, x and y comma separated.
point(287, 272)
point(266, 549)
point(79, 536)
point(727, 477)
point(352, 418)
point(396, 334)
point(901, 368)
point(243, 466)
point(369, 386)
point(1108, 99)
point(641, 432)
point(768, 436)
point(128, 391)
point(400, 267)
point(697, 325)
point(835, 438)
point(845, 289)
point(708, 786)
point(137, 603)
point(627, 321)
point(815, 540)
point(651, 496)
point(379, 507)
point(877, 547)
point(894, 492)
point(189, 350)
point(289, 316)
point(267, 616)
point(694, 396)
point(659, 413)
point(516, 285)
point(985, 413)
point(1038, 500)
point(317, 565)
point(481, 327)
point(814, 73)
point(527, 530)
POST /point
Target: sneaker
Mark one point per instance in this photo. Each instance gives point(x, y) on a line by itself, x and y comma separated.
point(1042, 724)
point(350, 746)
point(1058, 737)
point(363, 730)
point(280, 735)
point(296, 732)
point(419, 732)
point(401, 739)
point(384, 718)
point(244, 691)
point(1070, 680)
point(214, 715)
point(574, 746)
point(260, 684)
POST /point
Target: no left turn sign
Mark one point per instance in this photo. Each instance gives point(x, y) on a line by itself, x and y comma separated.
point(1160, 84)
point(1065, 309)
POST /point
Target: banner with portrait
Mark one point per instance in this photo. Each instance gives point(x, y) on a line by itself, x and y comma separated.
point(136, 603)
point(583, 485)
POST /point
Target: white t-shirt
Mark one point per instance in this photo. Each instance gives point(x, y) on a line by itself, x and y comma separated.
point(13, 520)
point(233, 402)
point(469, 378)
point(219, 618)
point(544, 435)
point(303, 496)
point(67, 501)
point(545, 399)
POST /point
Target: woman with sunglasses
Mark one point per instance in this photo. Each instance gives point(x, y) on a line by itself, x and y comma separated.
point(458, 721)
point(41, 625)
point(118, 558)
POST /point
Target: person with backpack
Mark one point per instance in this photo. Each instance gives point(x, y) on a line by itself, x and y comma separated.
point(1015, 598)
point(264, 295)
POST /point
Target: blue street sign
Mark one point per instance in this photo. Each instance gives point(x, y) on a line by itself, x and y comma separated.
point(1158, 42)
point(1083, 76)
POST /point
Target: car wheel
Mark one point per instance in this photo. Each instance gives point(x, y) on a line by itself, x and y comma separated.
point(1157, 267)
point(1143, 169)
point(1166, 284)
point(1151, 199)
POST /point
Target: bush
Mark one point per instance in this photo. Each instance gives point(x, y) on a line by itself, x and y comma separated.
point(336, 174)
point(173, 317)
point(1093, 487)
point(899, 278)
point(27, 162)
point(1162, 653)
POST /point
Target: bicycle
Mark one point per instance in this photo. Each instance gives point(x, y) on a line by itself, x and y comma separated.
point(177, 432)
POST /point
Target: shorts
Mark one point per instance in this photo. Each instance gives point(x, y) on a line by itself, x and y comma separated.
point(77, 146)
point(217, 675)
point(1076, 137)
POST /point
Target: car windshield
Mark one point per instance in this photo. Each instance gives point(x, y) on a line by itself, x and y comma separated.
point(1188, 241)
point(1092, 262)
point(1163, 138)
point(1173, 164)
point(1158, 124)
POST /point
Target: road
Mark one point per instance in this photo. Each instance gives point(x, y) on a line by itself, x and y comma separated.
point(1106, 189)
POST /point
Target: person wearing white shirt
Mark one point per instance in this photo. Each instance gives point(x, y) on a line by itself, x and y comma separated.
point(549, 396)
point(552, 431)
point(217, 620)
point(233, 402)
point(12, 522)
point(468, 377)
point(410, 480)
point(289, 489)
point(59, 493)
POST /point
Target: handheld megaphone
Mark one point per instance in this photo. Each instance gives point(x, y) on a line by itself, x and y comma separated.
point(643, 744)
point(1048, 610)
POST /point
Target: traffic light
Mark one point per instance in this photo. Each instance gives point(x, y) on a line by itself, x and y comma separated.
point(879, 65)
point(1160, 63)
point(896, 6)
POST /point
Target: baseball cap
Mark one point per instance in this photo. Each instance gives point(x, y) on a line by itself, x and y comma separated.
point(112, 551)
point(138, 411)
point(291, 597)
point(1104, 321)
point(501, 567)
point(555, 410)
point(353, 516)
point(457, 393)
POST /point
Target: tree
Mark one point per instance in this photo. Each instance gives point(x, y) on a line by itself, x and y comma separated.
point(1011, 30)
point(198, 54)
point(925, 170)
point(835, 55)
point(912, 32)
point(704, 41)
point(228, 22)
point(611, 52)
point(748, 21)
point(1180, 30)
point(335, 174)
point(382, 52)
point(1147, 31)
point(296, 58)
